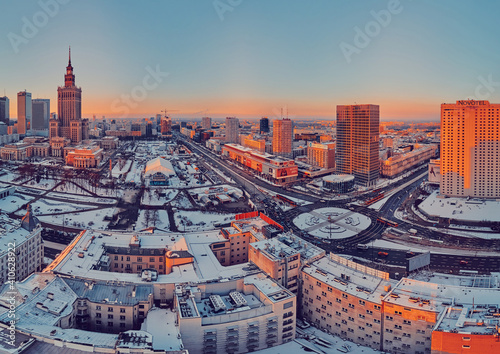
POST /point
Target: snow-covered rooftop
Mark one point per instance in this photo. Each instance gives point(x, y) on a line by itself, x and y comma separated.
point(359, 282)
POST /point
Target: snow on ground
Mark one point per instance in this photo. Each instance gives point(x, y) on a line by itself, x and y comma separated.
point(118, 169)
point(81, 198)
point(13, 202)
point(461, 208)
point(332, 223)
point(199, 221)
point(44, 183)
point(151, 196)
point(134, 176)
point(182, 202)
point(93, 219)
point(149, 218)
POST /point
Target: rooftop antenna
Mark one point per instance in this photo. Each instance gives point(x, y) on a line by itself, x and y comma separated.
point(281, 112)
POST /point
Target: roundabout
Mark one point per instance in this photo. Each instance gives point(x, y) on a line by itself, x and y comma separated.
point(332, 223)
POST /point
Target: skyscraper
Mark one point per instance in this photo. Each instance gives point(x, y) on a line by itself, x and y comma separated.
point(206, 123)
point(282, 137)
point(69, 105)
point(4, 110)
point(357, 142)
point(41, 114)
point(232, 130)
point(24, 112)
point(470, 149)
point(166, 125)
point(264, 125)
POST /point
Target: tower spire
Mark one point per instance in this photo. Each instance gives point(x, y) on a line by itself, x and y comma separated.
point(69, 55)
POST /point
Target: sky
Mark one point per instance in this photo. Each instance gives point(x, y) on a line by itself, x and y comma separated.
point(250, 58)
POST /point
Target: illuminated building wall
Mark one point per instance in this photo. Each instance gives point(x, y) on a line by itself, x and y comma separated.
point(357, 142)
point(470, 149)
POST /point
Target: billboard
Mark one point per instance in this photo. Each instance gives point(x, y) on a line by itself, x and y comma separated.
point(417, 262)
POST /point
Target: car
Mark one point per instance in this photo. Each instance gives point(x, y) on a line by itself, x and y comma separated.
point(462, 262)
point(410, 254)
point(383, 254)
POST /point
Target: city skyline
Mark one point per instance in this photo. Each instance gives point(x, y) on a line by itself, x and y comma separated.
point(250, 59)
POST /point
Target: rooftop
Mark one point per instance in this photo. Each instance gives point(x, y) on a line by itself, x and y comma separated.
point(469, 320)
point(362, 282)
point(12, 232)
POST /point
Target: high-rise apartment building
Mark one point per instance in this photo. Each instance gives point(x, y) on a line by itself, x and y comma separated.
point(357, 142)
point(264, 125)
point(232, 130)
point(206, 123)
point(41, 114)
point(4, 110)
point(24, 112)
point(470, 149)
point(69, 104)
point(282, 137)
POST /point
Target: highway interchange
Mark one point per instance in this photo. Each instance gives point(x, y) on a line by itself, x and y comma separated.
point(396, 260)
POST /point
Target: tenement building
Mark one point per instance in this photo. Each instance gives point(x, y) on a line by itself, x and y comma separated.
point(23, 250)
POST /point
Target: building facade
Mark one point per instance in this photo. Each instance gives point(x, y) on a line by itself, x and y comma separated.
point(25, 246)
point(321, 155)
point(264, 125)
point(41, 114)
point(358, 141)
point(282, 137)
point(206, 123)
point(400, 163)
point(275, 169)
point(24, 112)
point(470, 149)
point(69, 104)
point(4, 110)
point(232, 130)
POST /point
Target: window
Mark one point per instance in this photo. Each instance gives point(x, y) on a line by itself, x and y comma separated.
point(110, 324)
point(344, 296)
point(98, 315)
point(122, 310)
point(98, 308)
point(369, 312)
point(351, 306)
point(122, 325)
point(361, 302)
point(110, 317)
point(110, 309)
point(122, 318)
